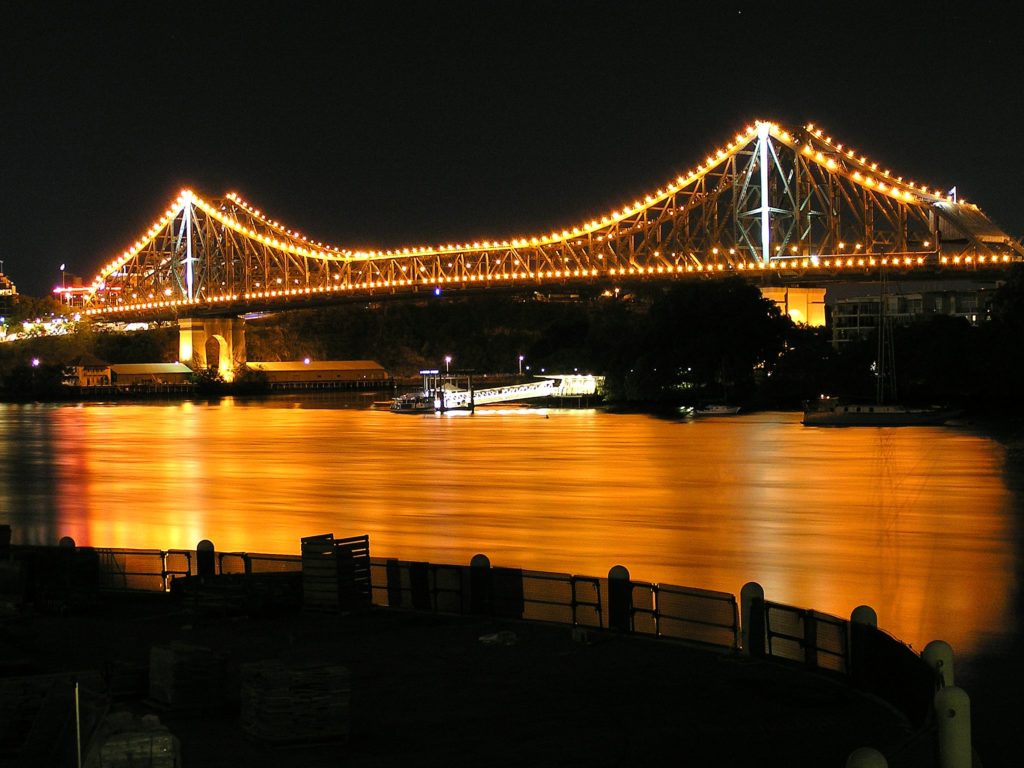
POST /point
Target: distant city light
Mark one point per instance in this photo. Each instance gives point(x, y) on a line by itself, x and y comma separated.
point(35, 362)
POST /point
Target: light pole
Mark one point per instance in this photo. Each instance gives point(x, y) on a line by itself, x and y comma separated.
point(447, 362)
point(63, 286)
point(520, 365)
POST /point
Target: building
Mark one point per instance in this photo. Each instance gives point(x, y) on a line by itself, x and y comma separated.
point(857, 317)
point(128, 374)
point(8, 295)
point(805, 306)
point(324, 373)
point(86, 371)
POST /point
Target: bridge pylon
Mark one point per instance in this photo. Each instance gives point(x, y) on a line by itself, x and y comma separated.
point(195, 343)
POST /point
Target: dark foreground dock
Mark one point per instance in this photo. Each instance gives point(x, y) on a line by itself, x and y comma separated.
point(426, 689)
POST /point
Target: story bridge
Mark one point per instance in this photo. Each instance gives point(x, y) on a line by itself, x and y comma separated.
point(775, 204)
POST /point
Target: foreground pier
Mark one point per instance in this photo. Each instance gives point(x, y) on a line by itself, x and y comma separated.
point(333, 658)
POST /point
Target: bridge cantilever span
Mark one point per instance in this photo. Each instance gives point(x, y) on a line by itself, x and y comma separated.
point(772, 199)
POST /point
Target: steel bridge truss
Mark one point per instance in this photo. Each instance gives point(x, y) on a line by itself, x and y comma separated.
point(772, 199)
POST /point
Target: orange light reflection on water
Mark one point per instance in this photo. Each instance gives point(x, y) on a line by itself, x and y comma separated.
point(915, 522)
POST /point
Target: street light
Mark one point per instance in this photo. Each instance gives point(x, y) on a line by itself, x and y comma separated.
point(63, 285)
point(447, 362)
point(520, 365)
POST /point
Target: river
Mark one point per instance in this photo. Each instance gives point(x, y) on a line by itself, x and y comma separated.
point(918, 522)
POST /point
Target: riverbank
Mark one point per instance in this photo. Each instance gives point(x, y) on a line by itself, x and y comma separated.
point(429, 689)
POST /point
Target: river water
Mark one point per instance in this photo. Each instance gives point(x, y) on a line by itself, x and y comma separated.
point(919, 523)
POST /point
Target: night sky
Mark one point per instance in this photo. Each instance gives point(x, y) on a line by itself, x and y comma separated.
point(380, 124)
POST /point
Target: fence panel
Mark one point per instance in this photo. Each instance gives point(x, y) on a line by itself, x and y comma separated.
point(832, 636)
point(232, 562)
point(699, 615)
point(815, 639)
point(178, 562)
point(131, 570)
point(380, 584)
point(262, 563)
point(882, 665)
point(644, 613)
point(448, 588)
point(587, 593)
point(547, 597)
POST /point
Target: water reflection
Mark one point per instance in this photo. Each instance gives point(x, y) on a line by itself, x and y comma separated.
point(916, 522)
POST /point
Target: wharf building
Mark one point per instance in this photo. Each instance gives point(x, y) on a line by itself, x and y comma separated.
point(856, 318)
point(8, 295)
point(89, 371)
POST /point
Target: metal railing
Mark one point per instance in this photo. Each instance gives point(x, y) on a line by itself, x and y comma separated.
point(685, 613)
point(870, 659)
point(818, 640)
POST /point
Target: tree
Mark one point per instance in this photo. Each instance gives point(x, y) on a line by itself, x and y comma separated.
point(705, 340)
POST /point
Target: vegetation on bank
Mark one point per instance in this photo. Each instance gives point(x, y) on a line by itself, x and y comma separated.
point(683, 344)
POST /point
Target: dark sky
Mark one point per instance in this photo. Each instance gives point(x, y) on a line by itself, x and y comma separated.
point(397, 123)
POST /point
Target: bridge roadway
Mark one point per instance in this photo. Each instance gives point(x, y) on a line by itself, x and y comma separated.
point(789, 272)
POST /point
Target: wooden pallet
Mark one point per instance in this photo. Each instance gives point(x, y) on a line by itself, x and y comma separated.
point(295, 703)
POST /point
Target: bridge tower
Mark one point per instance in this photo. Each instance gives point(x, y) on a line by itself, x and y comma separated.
point(229, 333)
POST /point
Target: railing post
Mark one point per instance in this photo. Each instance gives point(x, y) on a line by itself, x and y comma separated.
point(864, 614)
point(863, 620)
point(206, 559)
point(938, 655)
point(5, 542)
point(752, 603)
point(953, 713)
point(620, 599)
point(480, 584)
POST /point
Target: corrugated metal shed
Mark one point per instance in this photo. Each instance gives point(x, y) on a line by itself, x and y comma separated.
point(319, 365)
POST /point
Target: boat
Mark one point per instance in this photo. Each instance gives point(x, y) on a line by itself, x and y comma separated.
point(829, 411)
point(832, 411)
point(414, 402)
point(716, 410)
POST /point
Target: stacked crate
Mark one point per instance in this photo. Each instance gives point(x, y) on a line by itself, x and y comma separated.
point(294, 703)
point(186, 677)
point(153, 748)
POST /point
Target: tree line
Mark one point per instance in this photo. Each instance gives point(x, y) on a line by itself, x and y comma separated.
point(687, 343)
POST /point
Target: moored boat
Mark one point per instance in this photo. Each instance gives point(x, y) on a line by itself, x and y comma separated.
point(414, 402)
point(833, 412)
point(716, 410)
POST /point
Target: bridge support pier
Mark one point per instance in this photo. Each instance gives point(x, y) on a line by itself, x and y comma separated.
point(195, 350)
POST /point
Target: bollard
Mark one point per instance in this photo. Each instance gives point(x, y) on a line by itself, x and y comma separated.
point(620, 599)
point(480, 584)
point(938, 655)
point(866, 757)
point(953, 715)
point(206, 559)
point(860, 638)
point(750, 593)
point(864, 614)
